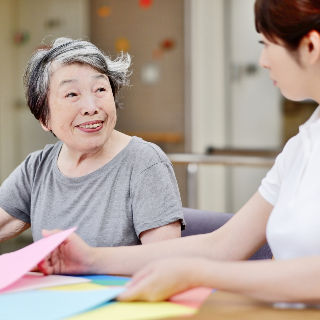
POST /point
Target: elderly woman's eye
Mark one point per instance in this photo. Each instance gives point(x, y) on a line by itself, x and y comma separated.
point(70, 94)
point(101, 89)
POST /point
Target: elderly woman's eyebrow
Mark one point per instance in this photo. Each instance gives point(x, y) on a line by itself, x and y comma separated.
point(100, 76)
point(63, 82)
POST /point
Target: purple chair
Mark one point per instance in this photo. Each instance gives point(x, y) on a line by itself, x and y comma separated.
point(198, 222)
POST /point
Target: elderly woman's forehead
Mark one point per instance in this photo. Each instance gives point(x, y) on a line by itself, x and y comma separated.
point(57, 65)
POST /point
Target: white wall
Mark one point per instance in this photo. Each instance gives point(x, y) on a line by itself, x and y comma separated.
point(254, 114)
point(240, 112)
point(207, 94)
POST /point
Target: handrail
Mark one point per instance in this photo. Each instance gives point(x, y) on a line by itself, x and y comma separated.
point(194, 160)
point(158, 137)
point(229, 160)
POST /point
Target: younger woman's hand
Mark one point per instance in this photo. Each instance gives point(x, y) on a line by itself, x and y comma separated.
point(72, 256)
point(161, 279)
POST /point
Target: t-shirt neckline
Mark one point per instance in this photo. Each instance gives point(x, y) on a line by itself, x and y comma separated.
point(92, 174)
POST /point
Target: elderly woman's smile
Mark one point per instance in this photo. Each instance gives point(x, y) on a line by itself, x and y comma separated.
point(91, 126)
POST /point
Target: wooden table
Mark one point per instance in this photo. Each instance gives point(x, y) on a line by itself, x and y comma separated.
point(222, 305)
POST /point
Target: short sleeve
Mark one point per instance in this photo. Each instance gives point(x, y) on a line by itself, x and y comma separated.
point(271, 183)
point(15, 191)
point(155, 198)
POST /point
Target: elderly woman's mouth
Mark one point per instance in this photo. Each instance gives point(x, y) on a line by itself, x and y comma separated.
point(90, 126)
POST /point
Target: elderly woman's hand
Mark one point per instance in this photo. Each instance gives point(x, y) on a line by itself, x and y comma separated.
point(161, 279)
point(73, 256)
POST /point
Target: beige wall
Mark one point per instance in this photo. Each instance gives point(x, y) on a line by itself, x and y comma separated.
point(148, 107)
point(20, 133)
point(7, 88)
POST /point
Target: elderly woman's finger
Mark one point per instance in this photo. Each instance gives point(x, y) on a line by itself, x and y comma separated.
point(47, 233)
point(56, 260)
point(45, 266)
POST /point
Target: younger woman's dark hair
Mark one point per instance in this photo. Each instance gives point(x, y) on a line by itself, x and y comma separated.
point(287, 20)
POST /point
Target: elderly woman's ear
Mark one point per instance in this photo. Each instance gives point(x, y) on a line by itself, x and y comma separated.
point(45, 127)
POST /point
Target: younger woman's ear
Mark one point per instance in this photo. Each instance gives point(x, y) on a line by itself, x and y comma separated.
point(311, 45)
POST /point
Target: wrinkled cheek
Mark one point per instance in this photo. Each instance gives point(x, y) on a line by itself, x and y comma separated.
point(62, 131)
point(113, 119)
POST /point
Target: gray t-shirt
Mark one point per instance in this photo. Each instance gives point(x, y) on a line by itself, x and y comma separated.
point(134, 192)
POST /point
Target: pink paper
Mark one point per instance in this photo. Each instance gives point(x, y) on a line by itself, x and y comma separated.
point(15, 264)
point(193, 298)
point(36, 280)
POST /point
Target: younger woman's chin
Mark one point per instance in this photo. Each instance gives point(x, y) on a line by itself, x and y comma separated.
point(293, 97)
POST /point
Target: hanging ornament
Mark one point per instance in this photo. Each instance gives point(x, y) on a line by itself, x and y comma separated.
point(157, 54)
point(104, 11)
point(21, 37)
point(122, 44)
point(167, 44)
point(145, 4)
point(150, 73)
point(52, 23)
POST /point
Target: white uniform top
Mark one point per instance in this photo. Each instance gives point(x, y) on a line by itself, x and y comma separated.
point(292, 186)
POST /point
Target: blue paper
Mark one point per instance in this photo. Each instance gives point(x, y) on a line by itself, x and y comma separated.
point(107, 280)
point(53, 305)
point(103, 277)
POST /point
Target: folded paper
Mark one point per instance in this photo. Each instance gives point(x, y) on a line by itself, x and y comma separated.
point(15, 264)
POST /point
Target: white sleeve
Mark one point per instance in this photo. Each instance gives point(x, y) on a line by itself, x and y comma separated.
point(271, 183)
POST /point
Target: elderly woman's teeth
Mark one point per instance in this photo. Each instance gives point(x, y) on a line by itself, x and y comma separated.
point(91, 126)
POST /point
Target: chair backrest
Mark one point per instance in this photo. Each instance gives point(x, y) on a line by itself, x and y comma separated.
point(199, 221)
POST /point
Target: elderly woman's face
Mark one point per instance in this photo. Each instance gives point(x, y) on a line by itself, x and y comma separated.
point(82, 107)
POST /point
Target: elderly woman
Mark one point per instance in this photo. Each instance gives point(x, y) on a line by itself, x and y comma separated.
point(117, 189)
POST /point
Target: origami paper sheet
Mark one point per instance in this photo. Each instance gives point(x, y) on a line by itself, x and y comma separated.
point(15, 264)
point(52, 304)
point(136, 311)
point(192, 298)
point(36, 280)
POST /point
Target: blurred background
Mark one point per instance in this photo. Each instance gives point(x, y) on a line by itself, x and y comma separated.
point(196, 89)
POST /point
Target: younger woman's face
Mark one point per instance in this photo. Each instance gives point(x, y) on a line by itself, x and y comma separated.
point(284, 70)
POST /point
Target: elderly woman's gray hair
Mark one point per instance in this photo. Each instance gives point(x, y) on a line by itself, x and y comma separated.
point(67, 51)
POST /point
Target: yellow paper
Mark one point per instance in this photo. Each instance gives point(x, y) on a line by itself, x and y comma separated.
point(136, 311)
point(78, 287)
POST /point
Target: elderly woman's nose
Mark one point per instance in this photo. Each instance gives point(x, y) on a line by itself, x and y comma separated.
point(89, 107)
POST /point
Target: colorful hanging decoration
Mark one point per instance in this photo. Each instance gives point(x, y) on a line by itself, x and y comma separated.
point(145, 4)
point(164, 46)
point(21, 37)
point(52, 23)
point(150, 73)
point(157, 54)
point(167, 44)
point(122, 44)
point(104, 11)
